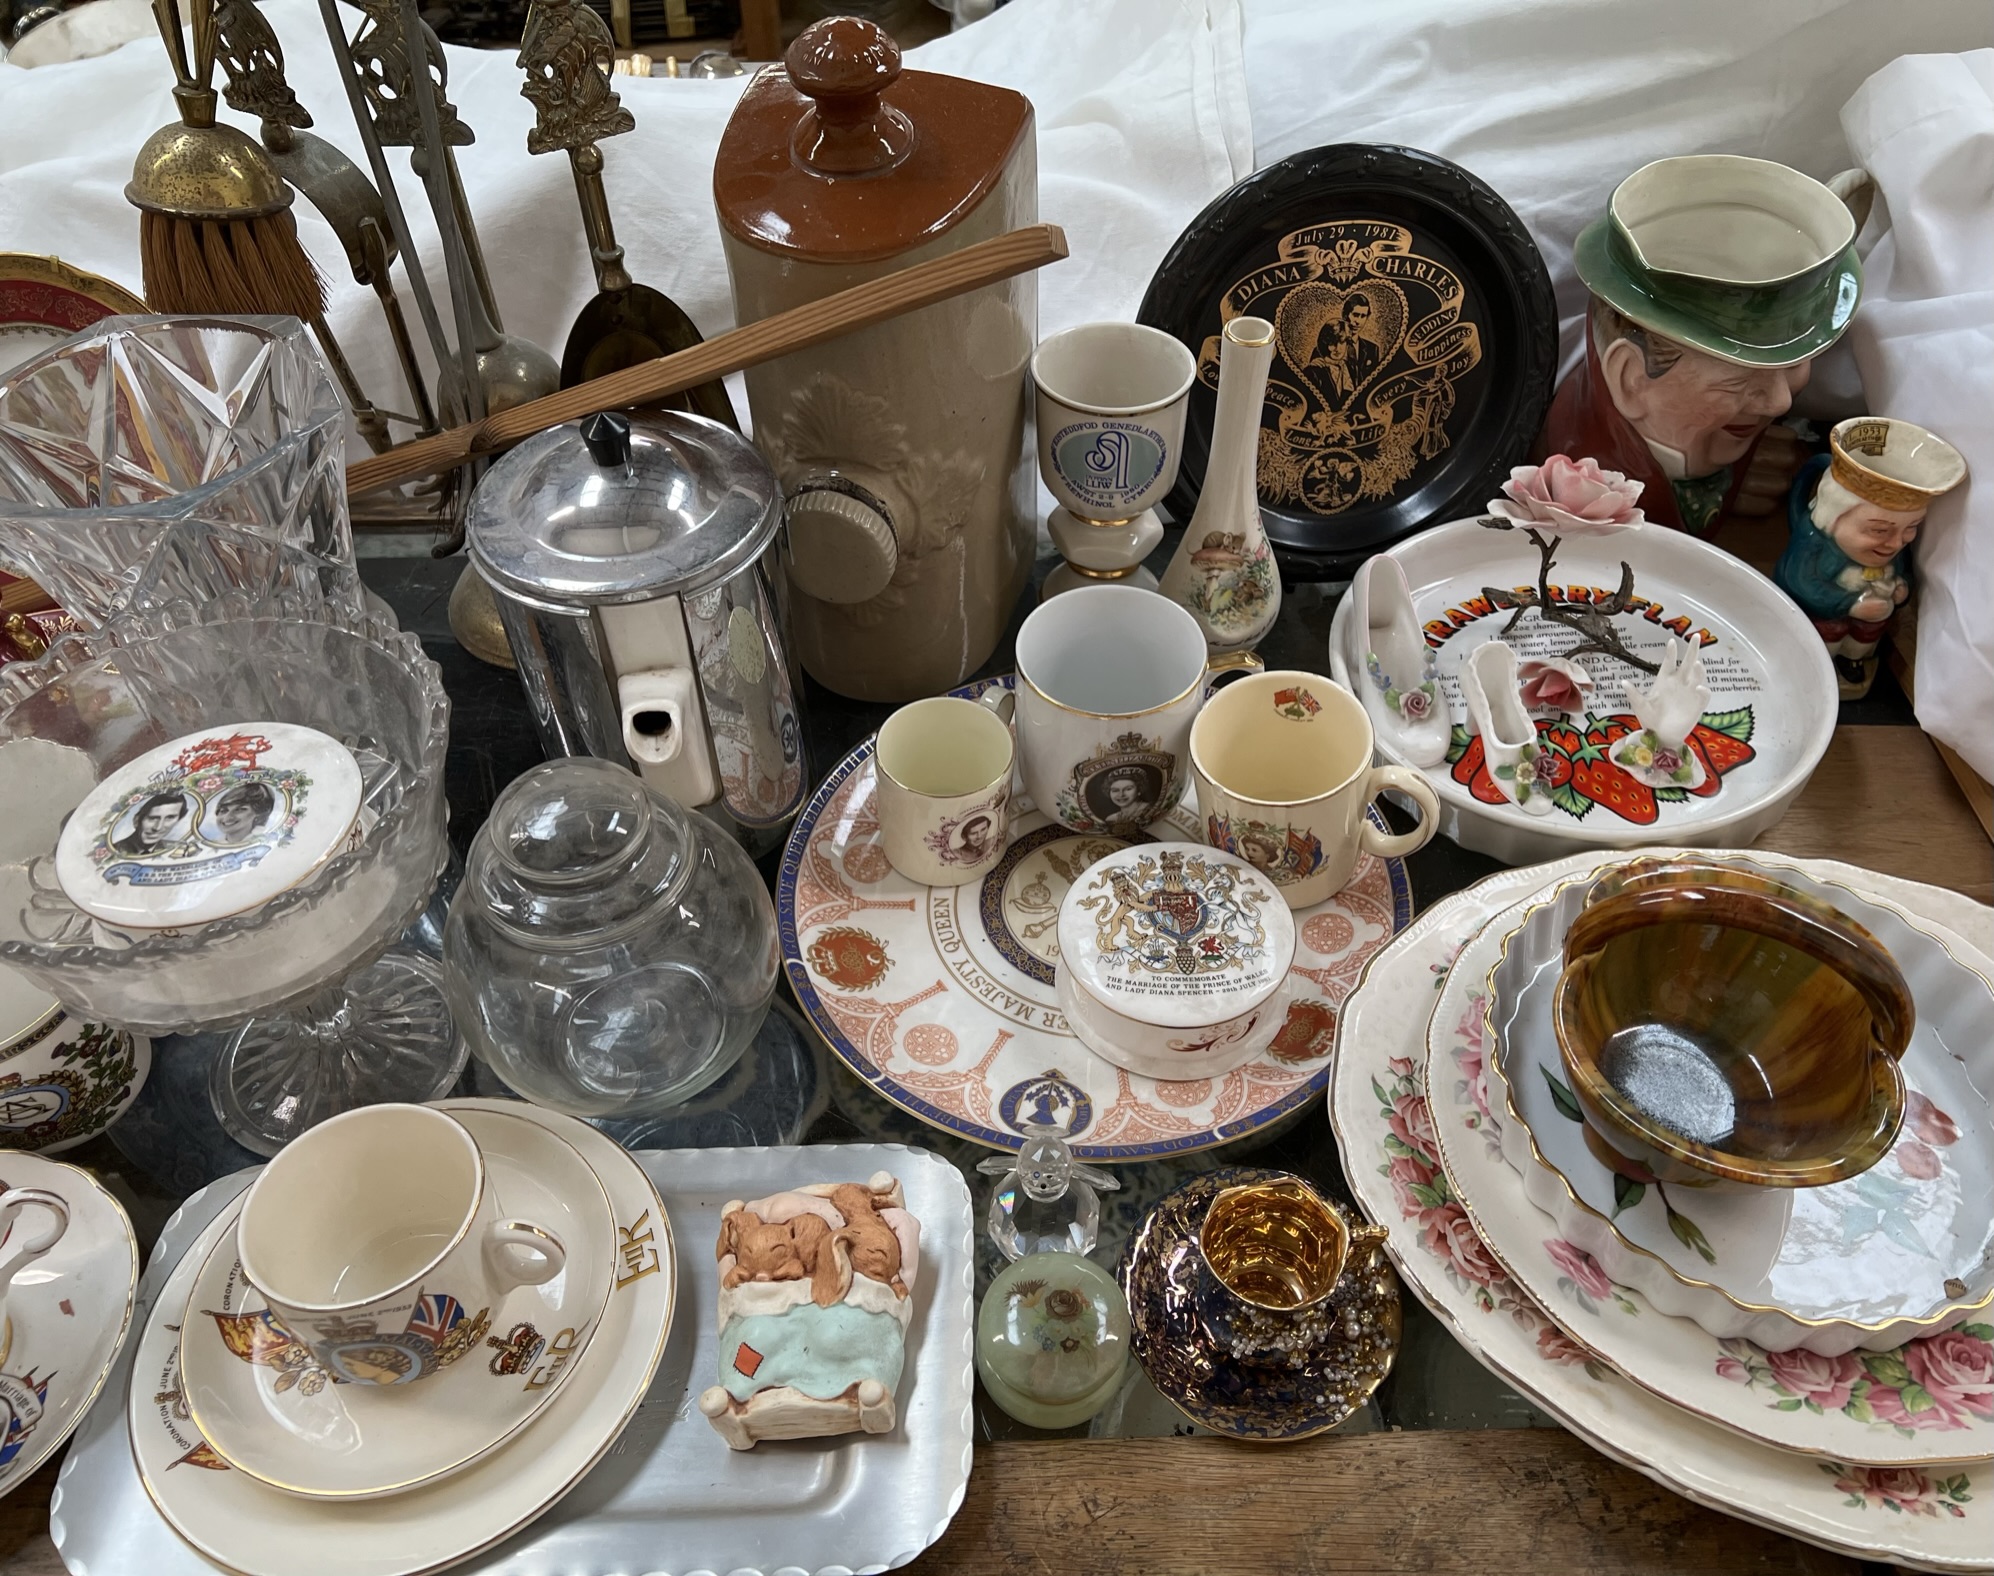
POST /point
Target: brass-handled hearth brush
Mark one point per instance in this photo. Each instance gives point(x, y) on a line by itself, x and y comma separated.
point(216, 234)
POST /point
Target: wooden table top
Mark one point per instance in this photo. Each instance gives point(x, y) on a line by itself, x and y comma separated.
point(1439, 1502)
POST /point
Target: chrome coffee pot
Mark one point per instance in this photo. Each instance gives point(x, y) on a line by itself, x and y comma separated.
point(626, 557)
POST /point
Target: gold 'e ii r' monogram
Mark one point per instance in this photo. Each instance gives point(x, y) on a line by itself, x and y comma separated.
point(560, 1348)
point(640, 1256)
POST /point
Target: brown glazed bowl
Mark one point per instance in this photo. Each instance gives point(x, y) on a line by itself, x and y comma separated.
point(1719, 1026)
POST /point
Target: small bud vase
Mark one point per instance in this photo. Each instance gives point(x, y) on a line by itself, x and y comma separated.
point(1223, 572)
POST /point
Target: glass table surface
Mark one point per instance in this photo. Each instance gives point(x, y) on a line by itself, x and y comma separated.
point(790, 1089)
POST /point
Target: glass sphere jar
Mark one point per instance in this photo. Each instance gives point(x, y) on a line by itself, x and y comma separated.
point(609, 952)
point(1052, 1339)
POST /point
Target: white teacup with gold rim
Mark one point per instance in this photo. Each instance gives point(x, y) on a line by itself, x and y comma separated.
point(944, 789)
point(1283, 767)
point(377, 1240)
point(1109, 678)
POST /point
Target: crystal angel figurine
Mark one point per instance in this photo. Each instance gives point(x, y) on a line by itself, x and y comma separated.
point(1045, 1201)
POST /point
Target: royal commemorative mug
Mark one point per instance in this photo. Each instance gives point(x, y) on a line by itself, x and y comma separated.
point(1111, 401)
point(20, 1247)
point(377, 1241)
point(1109, 678)
point(944, 791)
point(1283, 767)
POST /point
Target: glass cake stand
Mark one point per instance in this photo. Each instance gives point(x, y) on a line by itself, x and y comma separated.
point(326, 1012)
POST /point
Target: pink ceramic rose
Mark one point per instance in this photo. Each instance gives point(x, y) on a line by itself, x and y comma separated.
point(1957, 1370)
point(1569, 497)
point(1554, 684)
point(1449, 1235)
point(1581, 1266)
point(1826, 1381)
point(1415, 705)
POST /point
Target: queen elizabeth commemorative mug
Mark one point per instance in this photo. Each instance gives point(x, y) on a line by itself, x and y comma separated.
point(944, 790)
point(1284, 773)
point(1109, 678)
point(378, 1243)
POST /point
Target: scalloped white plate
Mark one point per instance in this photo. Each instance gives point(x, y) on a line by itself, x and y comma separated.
point(1933, 1520)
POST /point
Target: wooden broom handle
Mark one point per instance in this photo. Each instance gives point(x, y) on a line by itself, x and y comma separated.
point(875, 301)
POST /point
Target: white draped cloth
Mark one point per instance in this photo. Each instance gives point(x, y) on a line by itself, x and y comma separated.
point(1924, 340)
point(1148, 109)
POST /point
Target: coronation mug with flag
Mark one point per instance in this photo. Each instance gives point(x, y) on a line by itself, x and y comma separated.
point(380, 1246)
point(1283, 766)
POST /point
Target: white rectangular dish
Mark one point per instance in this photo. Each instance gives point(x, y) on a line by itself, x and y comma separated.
point(670, 1499)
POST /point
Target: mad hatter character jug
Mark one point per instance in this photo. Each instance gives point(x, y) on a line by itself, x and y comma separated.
point(1851, 519)
point(1715, 281)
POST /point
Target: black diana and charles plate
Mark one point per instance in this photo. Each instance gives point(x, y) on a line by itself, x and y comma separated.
point(1416, 340)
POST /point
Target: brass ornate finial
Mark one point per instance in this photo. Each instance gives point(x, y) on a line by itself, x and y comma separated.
point(381, 61)
point(254, 63)
point(567, 53)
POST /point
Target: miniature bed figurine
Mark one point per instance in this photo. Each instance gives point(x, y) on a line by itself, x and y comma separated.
point(816, 1293)
point(1851, 519)
point(1715, 280)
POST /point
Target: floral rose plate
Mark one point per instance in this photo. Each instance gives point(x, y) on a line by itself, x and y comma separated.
point(1866, 1407)
point(1772, 689)
point(1924, 1519)
point(942, 998)
point(1903, 1250)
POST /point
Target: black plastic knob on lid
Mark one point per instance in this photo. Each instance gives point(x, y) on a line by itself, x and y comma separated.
point(622, 508)
point(607, 434)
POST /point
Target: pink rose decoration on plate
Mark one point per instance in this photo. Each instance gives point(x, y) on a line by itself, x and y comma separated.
point(1553, 684)
point(1555, 1346)
point(1412, 1123)
point(1569, 497)
point(1449, 1235)
point(1826, 1381)
point(1928, 1121)
point(1957, 1371)
point(1581, 1266)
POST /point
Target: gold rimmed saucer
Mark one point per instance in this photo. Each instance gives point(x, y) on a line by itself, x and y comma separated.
point(1333, 1353)
point(269, 1410)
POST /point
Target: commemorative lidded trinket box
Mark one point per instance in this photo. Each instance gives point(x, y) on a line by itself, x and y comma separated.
point(1173, 959)
point(210, 825)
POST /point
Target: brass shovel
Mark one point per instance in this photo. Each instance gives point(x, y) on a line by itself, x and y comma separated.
point(566, 51)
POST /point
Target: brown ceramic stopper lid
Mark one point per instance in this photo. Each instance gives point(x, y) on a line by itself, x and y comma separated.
point(840, 156)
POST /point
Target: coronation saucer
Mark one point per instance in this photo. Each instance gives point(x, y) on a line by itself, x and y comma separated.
point(254, 1530)
point(66, 1312)
point(945, 1000)
point(1339, 1351)
point(269, 1410)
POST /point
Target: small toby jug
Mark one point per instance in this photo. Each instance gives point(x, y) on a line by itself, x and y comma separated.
point(904, 449)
